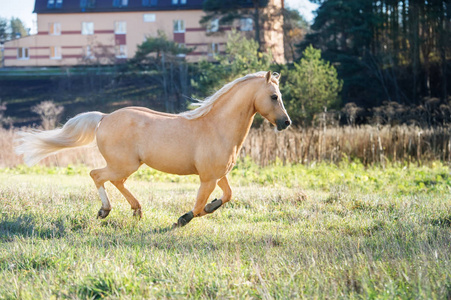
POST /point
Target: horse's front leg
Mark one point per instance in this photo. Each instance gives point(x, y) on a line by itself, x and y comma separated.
point(205, 190)
point(223, 183)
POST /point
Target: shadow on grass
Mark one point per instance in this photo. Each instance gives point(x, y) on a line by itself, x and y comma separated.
point(124, 224)
point(26, 226)
point(162, 229)
point(443, 221)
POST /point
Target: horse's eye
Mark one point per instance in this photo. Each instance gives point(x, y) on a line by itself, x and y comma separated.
point(274, 97)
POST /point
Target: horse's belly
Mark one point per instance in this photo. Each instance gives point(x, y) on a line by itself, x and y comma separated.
point(165, 143)
point(172, 162)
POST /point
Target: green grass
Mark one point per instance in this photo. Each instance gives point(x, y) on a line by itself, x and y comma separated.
point(361, 233)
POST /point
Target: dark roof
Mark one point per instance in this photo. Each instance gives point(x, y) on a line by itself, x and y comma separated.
point(77, 6)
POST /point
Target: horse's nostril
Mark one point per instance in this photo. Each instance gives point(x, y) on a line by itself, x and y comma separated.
point(288, 123)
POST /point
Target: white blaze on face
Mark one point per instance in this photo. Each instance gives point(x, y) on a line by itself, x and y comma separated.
point(104, 198)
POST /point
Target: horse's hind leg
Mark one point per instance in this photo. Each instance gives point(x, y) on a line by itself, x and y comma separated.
point(99, 182)
point(223, 183)
point(115, 175)
point(134, 203)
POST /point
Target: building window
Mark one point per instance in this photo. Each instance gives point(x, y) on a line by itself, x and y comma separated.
point(54, 4)
point(87, 28)
point(181, 46)
point(55, 52)
point(149, 18)
point(87, 3)
point(213, 26)
point(246, 24)
point(54, 28)
point(177, 2)
point(150, 2)
point(22, 53)
point(179, 26)
point(89, 54)
point(120, 3)
point(120, 27)
point(121, 51)
point(213, 49)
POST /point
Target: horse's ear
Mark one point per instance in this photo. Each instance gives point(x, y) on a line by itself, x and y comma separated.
point(268, 77)
point(276, 75)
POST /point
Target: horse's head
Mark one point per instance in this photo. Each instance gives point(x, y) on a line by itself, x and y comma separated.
point(269, 103)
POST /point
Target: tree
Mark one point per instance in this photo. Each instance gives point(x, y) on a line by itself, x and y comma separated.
point(161, 62)
point(18, 28)
point(312, 87)
point(9, 29)
point(228, 11)
point(49, 113)
point(386, 50)
point(156, 48)
point(241, 58)
point(294, 29)
point(3, 30)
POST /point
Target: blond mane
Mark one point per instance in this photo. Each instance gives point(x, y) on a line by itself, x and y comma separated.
point(204, 106)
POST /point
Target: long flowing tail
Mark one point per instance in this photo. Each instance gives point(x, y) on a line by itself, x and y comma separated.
point(78, 131)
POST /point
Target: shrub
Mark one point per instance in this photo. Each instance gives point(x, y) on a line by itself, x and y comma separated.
point(49, 113)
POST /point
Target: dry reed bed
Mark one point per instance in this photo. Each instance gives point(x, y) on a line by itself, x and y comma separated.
point(369, 144)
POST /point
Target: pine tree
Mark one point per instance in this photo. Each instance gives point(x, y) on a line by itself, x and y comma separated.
point(228, 11)
point(386, 50)
point(18, 28)
point(3, 30)
point(313, 87)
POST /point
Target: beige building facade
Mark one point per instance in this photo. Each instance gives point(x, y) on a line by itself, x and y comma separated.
point(68, 38)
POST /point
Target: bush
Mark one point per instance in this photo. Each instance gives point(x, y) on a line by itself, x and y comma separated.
point(49, 113)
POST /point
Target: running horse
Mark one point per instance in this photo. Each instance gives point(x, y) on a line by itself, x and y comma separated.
point(205, 141)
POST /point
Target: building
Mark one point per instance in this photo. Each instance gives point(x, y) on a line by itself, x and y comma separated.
point(75, 32)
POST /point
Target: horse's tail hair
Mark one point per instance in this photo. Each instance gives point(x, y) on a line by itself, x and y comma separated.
point(78, 131)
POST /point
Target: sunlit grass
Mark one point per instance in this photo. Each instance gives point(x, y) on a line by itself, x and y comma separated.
point(360, 233)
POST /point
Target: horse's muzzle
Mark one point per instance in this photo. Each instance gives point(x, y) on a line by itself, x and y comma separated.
point(283, 123)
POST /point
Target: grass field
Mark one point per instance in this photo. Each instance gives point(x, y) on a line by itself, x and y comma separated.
point(372, 233)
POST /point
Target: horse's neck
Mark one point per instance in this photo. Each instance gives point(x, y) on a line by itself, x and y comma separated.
point(234, 113)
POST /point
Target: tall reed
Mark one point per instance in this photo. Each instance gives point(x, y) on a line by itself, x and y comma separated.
point(368, 144)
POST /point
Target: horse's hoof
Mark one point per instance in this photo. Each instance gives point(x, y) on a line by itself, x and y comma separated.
point(137, 213)
point(103, 213)
point(185, 219)
point(213, 205)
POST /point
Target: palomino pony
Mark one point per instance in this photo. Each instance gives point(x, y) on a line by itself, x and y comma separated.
point(205, 141)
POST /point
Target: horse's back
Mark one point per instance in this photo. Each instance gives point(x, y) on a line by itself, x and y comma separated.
point(150, 111)
point(163, 141)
